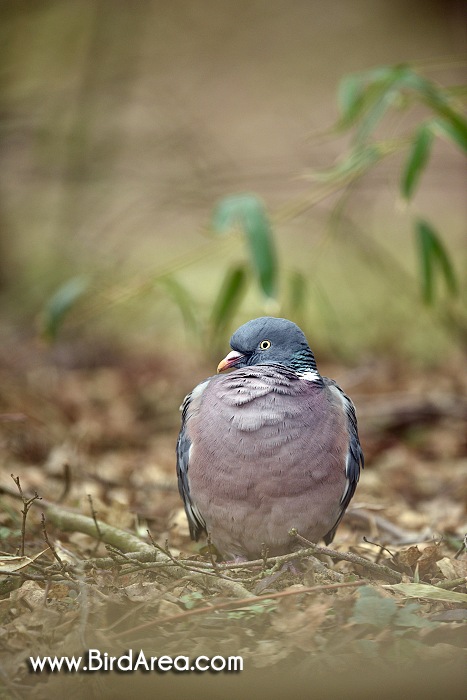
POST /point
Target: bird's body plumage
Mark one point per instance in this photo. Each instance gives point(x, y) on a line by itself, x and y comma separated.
point(265, 449)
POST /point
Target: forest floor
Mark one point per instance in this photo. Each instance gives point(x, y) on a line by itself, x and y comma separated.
point(385, 609)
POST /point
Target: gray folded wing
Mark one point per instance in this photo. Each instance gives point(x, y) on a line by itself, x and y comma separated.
point(354, 460)
point(190, 404)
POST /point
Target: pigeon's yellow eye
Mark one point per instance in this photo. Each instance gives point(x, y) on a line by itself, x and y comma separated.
point(265, 344)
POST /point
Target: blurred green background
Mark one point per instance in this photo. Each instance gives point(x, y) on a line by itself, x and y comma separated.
point(124, 123)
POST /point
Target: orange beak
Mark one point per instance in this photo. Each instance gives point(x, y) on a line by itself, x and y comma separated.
point(231, 360)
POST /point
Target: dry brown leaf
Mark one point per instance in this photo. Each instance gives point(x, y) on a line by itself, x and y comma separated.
point(10, 564)
point(31, 592)
point(117, 427)
point(58, 591)
point(428, 558)
point(408, 557)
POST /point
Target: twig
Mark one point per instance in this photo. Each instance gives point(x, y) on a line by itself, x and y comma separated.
point(163, 550)
point(96, 523)
point(462, 548)
point(27, 503)
point(129, 543)
point(275, 562)
point(15, 580)
point(133, 546)
point(318, 567)
point(71, 521)
point(66, 482)
point(94, 517)
point(396, 534)
point(211, 568)
point(46, 592)
point(211, 554)
point(49, 543)
point(452, 583)
point(264, 556)
point(378, 570)
point(382, 549)
point(242, 602)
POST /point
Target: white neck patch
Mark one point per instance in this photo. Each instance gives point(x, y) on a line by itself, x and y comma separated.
point(310, 375)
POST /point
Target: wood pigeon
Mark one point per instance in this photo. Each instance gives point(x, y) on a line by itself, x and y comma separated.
point(270, 446)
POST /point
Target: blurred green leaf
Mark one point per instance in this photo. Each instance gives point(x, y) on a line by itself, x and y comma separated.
point(365, 97)
point(247, 212)
point(382, 100)
point(407, 617)
point(183, 300)
point(437, 99)
point(232, 290)
point(60, 304)
point(190, 600)
point(360, 92)
point(433, 255)
point(372, 609)
point(381, 94)
point(350, 98)
point(385, 74)
point(458, 124)
point(298, 289)
point(357, 162)
point(447, 129)
point(417, 160)
point(426, 261)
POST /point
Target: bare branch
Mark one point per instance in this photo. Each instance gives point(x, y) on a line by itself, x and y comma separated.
point(378, 570)
point(27, 503)
point(49, 543)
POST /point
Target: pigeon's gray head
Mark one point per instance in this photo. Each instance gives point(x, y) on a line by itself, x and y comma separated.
point(268, 340)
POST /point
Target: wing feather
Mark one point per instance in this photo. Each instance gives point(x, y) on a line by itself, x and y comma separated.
point(354, 460)
point(196, 521)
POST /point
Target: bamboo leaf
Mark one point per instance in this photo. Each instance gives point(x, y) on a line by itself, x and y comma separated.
point(439, 102)
point(58, 306)
point(433, 256)
point(356, 163)
point(297, 291)
point(365, 97)
point(445, 265)
point(424, 242)
point(417, 160)
point(232, 290)
point(349, 98)
point(247, 212)
point(368, 123)
point(359, 93)
point(446, 128)
point(456, 121)
point(183, 300)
